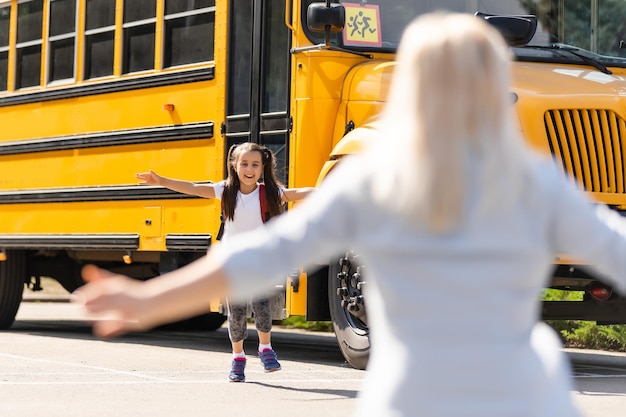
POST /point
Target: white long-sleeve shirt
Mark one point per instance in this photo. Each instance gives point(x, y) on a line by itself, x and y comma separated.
point(454, 318)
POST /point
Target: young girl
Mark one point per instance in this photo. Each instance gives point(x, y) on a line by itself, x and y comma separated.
point(241, 209)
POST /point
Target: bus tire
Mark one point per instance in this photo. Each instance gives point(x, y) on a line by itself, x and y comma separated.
point(12, 278)
point(347, 309)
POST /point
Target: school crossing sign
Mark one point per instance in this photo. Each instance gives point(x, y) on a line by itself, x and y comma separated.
point(362, 25)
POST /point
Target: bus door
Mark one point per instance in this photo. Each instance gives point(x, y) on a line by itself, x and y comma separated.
point(257, 92)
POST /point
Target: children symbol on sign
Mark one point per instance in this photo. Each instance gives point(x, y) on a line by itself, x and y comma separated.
point(360, 26)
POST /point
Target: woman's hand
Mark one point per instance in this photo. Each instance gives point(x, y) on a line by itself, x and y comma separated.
point(149, 178)
point(116, 304)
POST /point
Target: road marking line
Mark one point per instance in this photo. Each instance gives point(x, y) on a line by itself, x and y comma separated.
point(176, 382)
point(147, 378)
point(99, 368)
point(171, 372)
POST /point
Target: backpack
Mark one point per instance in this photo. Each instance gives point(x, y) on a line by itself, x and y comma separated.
point(265, 213)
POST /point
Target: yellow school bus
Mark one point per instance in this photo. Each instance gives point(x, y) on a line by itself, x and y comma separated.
point(568, 90)
point(93, 91)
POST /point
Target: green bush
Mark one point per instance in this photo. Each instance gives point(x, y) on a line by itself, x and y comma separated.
point(558, 295)
point(585, 334)
point(298, 322)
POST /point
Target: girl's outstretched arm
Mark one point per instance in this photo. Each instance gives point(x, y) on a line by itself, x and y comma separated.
point(118, 304)
point(181, 186)
point(294, 194)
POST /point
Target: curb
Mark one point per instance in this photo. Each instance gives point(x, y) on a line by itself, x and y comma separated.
point(289, 334)
point(45, 298)
point(596, 357)
point(293, 335)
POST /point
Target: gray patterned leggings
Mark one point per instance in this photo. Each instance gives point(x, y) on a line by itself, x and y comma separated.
point(237, 318)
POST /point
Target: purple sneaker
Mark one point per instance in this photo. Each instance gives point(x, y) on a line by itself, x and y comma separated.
point(236, 373)
point(268, 358)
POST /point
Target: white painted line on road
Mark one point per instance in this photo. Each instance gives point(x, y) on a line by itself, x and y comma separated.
point(150, 378)
point(178, 382)
point(172, 372)
point(99, 368)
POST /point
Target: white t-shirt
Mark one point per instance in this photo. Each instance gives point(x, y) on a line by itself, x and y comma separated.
point(247, 211)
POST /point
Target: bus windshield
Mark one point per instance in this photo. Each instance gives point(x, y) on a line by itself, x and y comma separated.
point(589, 27)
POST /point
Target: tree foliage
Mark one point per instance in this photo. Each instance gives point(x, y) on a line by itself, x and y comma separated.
point(574, 22)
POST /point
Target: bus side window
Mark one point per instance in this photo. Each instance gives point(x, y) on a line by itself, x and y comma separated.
point(139, 31)
point(5, 17)
point(99, 38)
point(188, 32)
point(29, 40)
point(61, 40)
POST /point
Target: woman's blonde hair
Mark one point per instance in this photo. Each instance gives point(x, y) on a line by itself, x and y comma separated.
point(449, 103)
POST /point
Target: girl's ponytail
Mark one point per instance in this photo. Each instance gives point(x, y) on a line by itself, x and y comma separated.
point(229, 197)
point(272, 185)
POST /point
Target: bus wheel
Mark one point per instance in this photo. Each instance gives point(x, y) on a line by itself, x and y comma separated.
point(347, 309)
point(12, 278)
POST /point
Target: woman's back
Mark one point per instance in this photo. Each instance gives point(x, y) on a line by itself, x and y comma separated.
point(459, 310)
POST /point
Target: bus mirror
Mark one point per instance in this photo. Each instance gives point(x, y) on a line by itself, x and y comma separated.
point(517, 30)
point(325, 16)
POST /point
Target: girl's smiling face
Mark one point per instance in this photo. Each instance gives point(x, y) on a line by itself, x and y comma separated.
point(249, 167)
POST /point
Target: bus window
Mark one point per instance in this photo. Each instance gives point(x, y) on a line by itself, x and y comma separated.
point(139, 31)
point(275, 61)
point(240, 49)
point(61, 40)
point(5, 18)
point(99, 38)
point(29, 34)
point(185, 27)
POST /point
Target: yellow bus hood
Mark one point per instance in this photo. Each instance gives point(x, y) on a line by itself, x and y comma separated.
point(567, 80)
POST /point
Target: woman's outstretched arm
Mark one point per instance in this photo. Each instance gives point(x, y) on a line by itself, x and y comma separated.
point(118, 304)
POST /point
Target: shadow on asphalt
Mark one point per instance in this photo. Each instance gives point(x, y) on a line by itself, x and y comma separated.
point(598, 373)
point(295, 346)
point(340, 393)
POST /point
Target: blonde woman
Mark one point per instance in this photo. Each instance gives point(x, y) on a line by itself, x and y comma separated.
point(452, 214)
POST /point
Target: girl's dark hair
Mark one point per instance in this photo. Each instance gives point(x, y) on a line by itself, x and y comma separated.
point(272, 185)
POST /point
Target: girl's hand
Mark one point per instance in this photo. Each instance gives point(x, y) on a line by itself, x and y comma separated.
point(295, 194)
point(149, 178)
point(115, 303)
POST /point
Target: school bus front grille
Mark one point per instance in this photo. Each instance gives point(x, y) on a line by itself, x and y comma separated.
point(587, 144)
